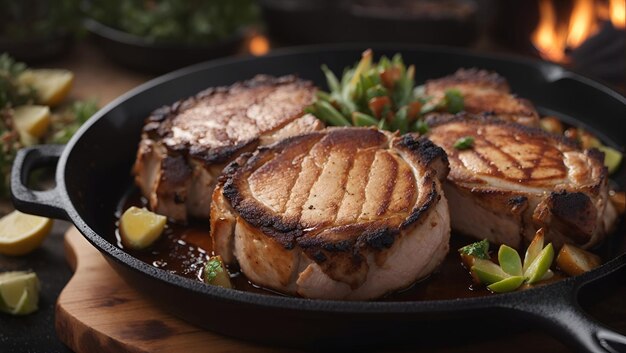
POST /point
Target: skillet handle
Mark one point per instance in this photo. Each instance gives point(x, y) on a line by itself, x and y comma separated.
point(556, 309)
point(47, 203)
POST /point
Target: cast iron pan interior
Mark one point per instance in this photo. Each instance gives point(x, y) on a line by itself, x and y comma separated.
point(94, 170)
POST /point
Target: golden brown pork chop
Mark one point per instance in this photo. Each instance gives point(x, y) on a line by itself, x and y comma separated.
point(517, 179)
point(185, 146)
point(344, 213)
point(485, 92)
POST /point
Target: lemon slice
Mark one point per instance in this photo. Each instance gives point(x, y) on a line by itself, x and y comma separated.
point(52, 85)
point(140, 228)
point(19, 292)
point(21, 233)
point(32, 119)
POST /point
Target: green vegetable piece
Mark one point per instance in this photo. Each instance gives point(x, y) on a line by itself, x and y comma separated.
point(533, 250)
point(507, 285)
point(400, 121)
point(325, 96)
point(329, 114)
point(421, 127)
point(464, 143)
point(360, 119)
point(612, 158)
point(509, 260)
point(540, 265)
point(331, 80)
point(375, 91)
point(364, 64)
point(454, 101)
point(215, 273)
point(383, 124)
point(478, 249)
point(488, 272)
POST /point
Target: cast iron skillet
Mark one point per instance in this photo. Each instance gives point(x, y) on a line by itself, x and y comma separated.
point(93, 171)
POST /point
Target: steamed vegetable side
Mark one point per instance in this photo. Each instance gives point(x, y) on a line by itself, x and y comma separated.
point(381, 94)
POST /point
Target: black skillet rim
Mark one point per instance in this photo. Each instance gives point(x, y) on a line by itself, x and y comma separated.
point(302, 304)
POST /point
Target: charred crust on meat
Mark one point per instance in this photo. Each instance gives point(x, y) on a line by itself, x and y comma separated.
point(376, 234)
point(158, 125)
point(473, 75)
point(437, 119)
point(175, 170)
point(379, 239)
point(418, 212)
point(423, 148)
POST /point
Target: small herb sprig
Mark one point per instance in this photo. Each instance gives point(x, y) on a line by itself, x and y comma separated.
point(381, 94)
point(510, 273)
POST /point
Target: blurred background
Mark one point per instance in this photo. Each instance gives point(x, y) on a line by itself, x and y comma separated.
point(156, 36)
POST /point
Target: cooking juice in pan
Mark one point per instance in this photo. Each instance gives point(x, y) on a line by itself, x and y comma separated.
point(184, 250)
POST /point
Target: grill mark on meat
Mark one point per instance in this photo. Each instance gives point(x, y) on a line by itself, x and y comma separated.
point(354, 198)
point(533, 160)
point(360, 254)
point(344, 184)
point(366, 196)
point(542, 181)
point(389, 186)
point(313, 167)
point(485, 92)
point(323, 201)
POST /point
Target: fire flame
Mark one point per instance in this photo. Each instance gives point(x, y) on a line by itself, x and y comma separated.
point(553, 36)
point(259, 45)
point(617, 9)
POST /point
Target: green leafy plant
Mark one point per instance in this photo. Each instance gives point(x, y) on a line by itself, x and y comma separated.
point(174, 21)
point(381, 94)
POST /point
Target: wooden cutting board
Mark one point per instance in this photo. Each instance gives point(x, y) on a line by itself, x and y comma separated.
point(98, 312)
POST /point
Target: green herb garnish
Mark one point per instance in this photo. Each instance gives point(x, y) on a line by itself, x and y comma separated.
point(213, 267)
point(464, 143)
point(215, 273)
point(479, 249)
point(454, 101)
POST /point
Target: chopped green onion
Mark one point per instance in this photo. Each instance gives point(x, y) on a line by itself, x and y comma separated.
point(454, 101)
point(464, 143)
point(479, 249)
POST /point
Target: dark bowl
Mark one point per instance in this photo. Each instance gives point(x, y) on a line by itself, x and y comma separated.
point(140, 54)
point(452, 22)
point(35, 50)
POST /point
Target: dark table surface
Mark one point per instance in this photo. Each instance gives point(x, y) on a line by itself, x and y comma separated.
point(97, 78)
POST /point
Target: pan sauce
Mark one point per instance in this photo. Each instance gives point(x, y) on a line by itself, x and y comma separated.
point(184, 249)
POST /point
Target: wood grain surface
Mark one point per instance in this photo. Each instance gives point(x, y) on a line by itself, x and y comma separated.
point(98, 312)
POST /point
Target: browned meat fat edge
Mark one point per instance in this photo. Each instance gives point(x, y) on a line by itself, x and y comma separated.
point(288, 233)
point(486, 92)
point(178, 176)
point(576, 212)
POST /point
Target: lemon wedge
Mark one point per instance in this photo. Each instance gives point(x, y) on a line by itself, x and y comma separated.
point(139, 227)
point(19, 292)
point(32, 120)
point(21, 233)
point(51, 85)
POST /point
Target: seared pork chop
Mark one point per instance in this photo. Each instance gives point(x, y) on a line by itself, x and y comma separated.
point(517, 179)
point(185, 146)
point(344, 213)
point(485, 92)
